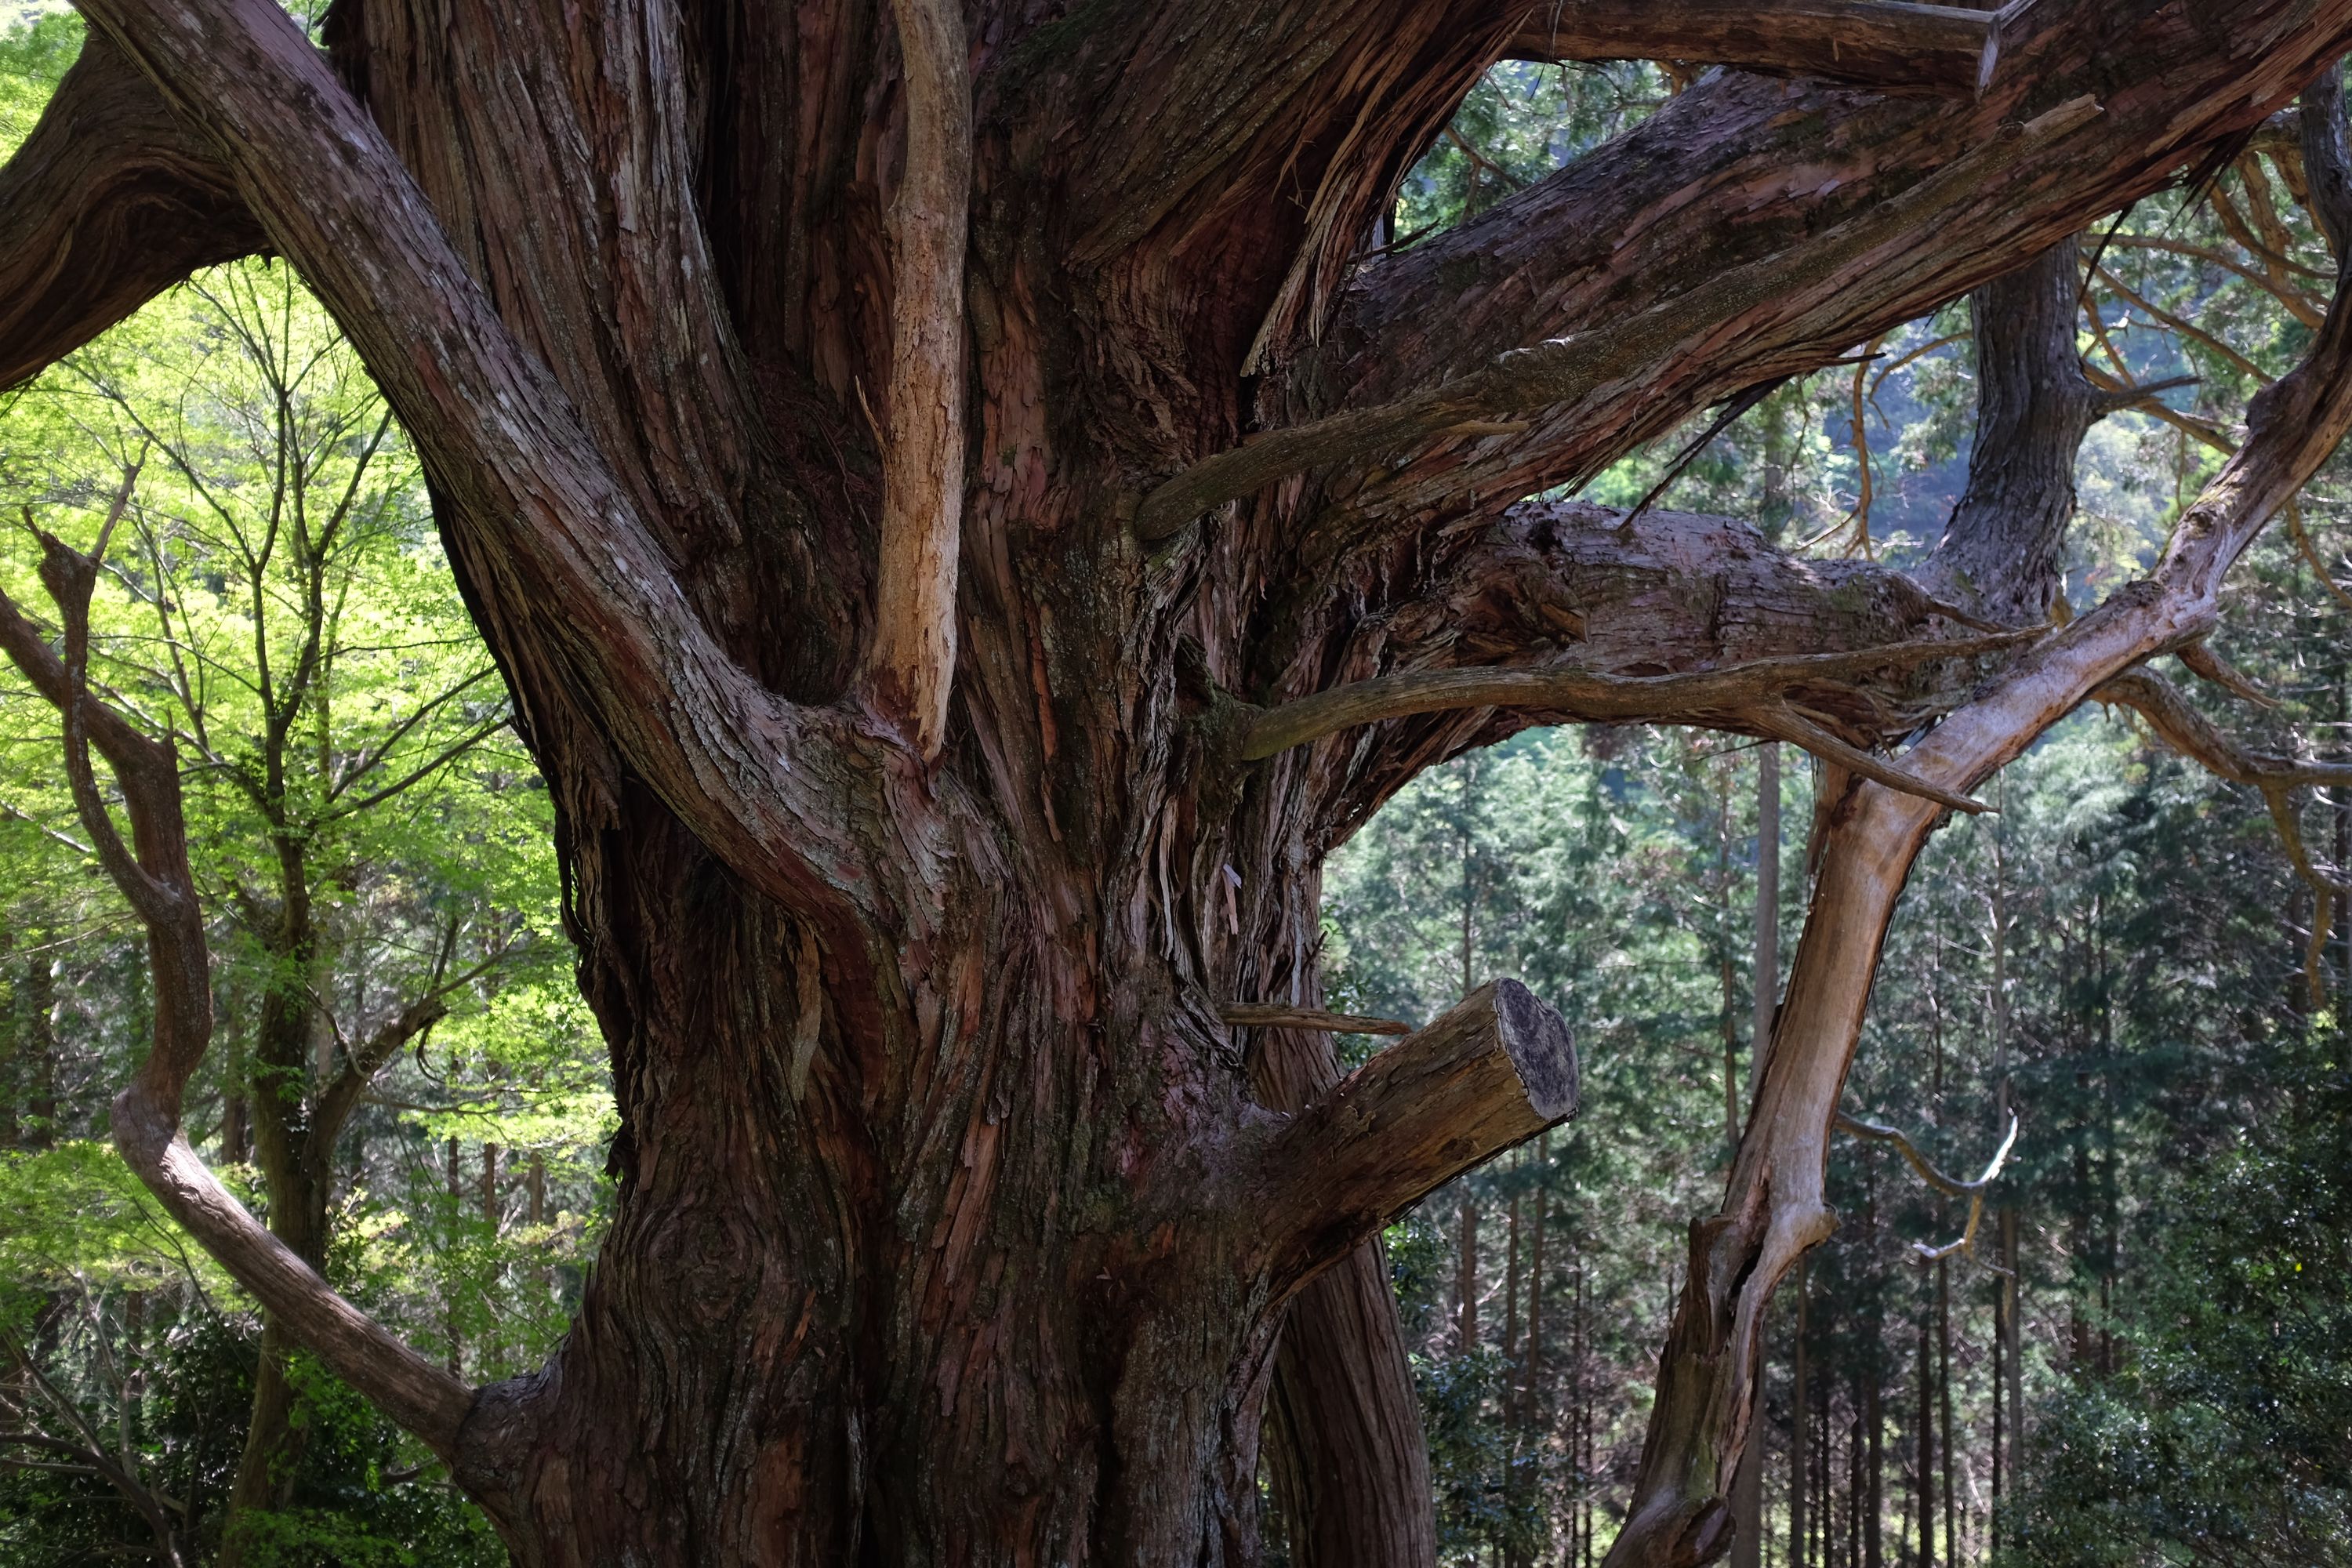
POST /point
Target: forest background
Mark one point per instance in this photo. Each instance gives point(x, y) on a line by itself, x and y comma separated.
point(2143, 1354)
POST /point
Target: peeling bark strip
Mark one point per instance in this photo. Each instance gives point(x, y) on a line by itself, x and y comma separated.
point(1888, 45)
point(951, 1227)
point(1487, 1075)
point(922, 478)
point(1255, 1016)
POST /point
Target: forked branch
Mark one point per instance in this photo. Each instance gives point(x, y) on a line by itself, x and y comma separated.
point(757, 778)
point(1950, 1186)
point(1491, 1072)
point(1882, 44)
point(1774, 1205)
point(913, 657)
point(152, 872)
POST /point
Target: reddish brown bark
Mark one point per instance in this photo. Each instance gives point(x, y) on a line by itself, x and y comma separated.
point(955, 1224)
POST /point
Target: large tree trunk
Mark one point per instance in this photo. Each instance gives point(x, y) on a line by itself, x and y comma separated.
point(888, 610)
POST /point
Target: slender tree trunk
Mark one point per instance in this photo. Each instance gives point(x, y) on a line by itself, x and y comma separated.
point(1924, 1492)
point(39, 1051)
point(2014, 1357)
point(455, 1179)
point(1465, 1278)
point(1799, 1390)
point(1944, 1398)
point(1874, 1412)
point(1531, 1367)
point(11, 1046)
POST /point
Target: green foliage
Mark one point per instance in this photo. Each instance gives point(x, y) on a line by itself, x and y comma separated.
point(368, 836)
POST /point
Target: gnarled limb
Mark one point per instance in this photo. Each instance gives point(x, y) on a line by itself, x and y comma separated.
point(1651, 602)
point(1565, 371)
point(107, 204)
point(1706, 186)
point(1888, 45)
point(759, 779)
point(2327, 161)
point(152, 872)
point(913, 657)
point(1774, 1208)
point(1740, 696)
point(1490, 1072)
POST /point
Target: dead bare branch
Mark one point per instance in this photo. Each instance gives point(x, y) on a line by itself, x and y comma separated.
point(1951, 1186)
point(155, 875)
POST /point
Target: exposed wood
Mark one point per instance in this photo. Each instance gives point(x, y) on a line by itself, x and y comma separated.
point(108, 202)
point(914, 650)
point(1887, 45)
point(1951, 1186)
point(1274, 1015)
point(1488, 1074)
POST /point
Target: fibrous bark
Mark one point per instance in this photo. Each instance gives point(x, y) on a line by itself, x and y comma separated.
point(109, 201)
point(955, 1223)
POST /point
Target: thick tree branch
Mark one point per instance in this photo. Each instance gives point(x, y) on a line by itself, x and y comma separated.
point(914, 651)
point(156, 878)
point(758, 779)
point(1491, 1072)
point(1737, 171)
point(1740, 696)
point(1884, 44)
point(1275, 1015)
point(1567, 370)
point(2003, 546)
point(108, 202)
point(2326, 162)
